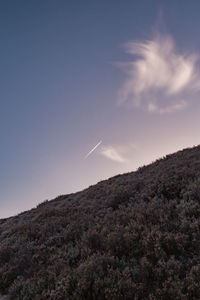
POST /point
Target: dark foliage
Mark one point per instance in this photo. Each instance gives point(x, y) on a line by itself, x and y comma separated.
point(134, 236)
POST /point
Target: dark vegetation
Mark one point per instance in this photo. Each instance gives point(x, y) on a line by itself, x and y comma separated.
point(134, 236)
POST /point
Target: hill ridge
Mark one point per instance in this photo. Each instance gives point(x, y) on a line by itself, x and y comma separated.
point(132, 236)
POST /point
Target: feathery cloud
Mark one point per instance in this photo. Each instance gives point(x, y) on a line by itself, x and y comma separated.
point(111, 153)
point(159, 77)
point(169, 109)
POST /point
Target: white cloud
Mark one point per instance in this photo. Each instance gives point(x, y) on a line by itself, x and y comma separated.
point(169, 109)
point(158, 77)
point(112, 153)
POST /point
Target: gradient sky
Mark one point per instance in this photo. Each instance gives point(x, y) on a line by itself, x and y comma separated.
point(74, 73)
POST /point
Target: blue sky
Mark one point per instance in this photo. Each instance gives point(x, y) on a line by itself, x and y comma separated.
point(77, 72)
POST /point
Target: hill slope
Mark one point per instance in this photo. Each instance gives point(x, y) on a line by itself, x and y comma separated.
point(134, 236)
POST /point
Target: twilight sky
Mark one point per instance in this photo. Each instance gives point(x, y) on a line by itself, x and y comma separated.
point(121, 73)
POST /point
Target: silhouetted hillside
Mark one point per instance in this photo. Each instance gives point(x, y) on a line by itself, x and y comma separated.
point(133, 236)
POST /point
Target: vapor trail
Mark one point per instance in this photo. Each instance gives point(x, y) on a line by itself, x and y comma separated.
point(93, 149)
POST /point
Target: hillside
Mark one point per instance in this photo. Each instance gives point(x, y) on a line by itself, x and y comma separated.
point(133, 236)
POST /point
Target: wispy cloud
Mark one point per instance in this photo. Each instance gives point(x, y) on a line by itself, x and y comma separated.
point(158, 78)
point(112, 153)
point(152, 107)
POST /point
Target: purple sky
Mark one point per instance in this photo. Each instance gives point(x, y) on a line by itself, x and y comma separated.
point(74, 73)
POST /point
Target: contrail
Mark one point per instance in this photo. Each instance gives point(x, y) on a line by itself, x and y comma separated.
point(93, 149)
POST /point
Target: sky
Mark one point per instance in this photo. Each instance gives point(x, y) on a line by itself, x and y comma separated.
point(92, 89)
